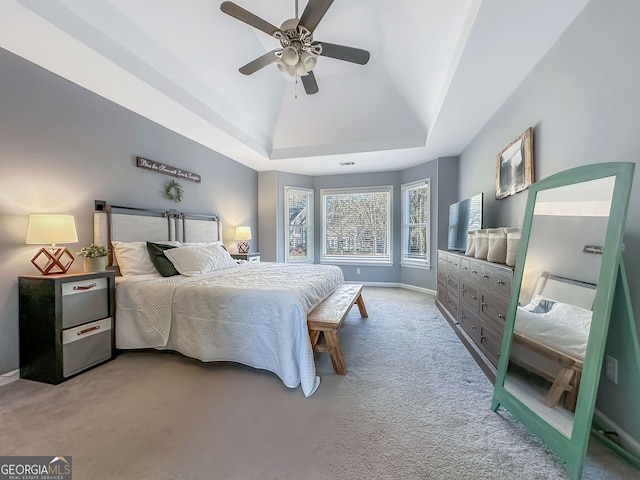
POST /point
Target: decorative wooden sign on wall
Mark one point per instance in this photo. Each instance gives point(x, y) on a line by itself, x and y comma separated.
point(167, 169)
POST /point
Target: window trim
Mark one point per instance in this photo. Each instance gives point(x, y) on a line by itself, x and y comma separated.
point(405, 259)
point(309, 192)
point(353, 260)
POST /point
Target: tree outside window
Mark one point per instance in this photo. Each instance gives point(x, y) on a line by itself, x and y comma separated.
point(416, 223)
point(356, 225)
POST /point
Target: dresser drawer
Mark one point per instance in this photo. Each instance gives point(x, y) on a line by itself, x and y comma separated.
point(442, 262)
point(470, 323)
point(84, 301)
point(490, 343)
point(502, 285)
point(470, 295)
point(493, 310)
point(496, 280)
point(453, 286)
point(453, 265)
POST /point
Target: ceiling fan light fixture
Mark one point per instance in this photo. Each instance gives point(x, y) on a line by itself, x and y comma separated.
point(290, 56)
point(308, 61)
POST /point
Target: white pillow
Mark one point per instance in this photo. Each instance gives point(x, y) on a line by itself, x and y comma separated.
point(203, 244)
point(133, 257)
point(191, 261)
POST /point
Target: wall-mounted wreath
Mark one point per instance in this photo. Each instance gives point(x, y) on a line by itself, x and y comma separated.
point(173, 191)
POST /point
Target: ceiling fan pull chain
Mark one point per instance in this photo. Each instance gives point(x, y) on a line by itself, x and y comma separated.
point(295, 87)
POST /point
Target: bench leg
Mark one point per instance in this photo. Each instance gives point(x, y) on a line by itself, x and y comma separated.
point(335, 352)
point(314, 335)
point(361, 307)
point(561, 384)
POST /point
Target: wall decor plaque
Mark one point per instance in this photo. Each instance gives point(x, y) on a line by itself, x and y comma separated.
point(167, 169)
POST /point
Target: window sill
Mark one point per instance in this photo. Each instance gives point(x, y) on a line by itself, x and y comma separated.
point(420, 266)
point(355, 263)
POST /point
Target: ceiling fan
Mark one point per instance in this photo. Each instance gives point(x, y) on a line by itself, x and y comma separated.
point(299, 52)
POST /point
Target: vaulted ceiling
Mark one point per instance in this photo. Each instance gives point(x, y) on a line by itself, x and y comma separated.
point(438, 71)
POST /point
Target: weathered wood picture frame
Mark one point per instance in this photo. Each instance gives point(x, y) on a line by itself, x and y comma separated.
point(514, 166)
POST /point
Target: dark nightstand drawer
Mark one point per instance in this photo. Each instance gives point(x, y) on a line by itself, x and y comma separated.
point(84, 301)
point(85, 346)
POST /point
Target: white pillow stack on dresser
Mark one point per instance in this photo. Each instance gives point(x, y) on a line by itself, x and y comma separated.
point(513, 243)
point(191, 261)
point(497, 251)
point(482, 244)
point(471, 244)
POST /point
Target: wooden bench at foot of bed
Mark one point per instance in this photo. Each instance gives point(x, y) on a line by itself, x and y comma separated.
point(328, 316)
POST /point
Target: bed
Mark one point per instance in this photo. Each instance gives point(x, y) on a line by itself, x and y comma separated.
point(213, 309)
point(551, 334)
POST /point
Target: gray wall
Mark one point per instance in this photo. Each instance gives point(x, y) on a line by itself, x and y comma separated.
point(271, 210)
point(583, 100)
point(62, 147)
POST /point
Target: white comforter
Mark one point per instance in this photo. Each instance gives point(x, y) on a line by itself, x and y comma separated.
point(254, 314)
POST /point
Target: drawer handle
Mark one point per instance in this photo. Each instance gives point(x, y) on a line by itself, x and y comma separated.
point(87, 330)
point(482, 338)
point(85, 287)
point(474, 272)
point(501, 317)
point(465, 268)
point(485, 276)
point(482, 306)
point(500, 282)
point(473, 297)
point(473, 328)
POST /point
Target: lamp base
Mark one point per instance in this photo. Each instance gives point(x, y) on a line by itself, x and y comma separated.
point(243, 246)
point(50, 261)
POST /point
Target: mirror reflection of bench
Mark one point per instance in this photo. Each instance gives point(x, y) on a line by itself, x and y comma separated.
point(564, 373)
point(551, 334)
point(325, 319)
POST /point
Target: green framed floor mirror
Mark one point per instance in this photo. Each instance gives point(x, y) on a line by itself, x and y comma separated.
point(569, 283)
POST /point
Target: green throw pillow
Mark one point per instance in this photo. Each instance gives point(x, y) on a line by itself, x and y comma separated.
point(162, 263)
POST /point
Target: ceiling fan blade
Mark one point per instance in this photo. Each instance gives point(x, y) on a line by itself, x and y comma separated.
point(340, 52)
point(310, 84)
point(314, 12)
point(260, 62)
point(247, 17)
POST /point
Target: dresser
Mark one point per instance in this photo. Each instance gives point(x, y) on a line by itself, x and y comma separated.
point(473, 295)
point(66, 324)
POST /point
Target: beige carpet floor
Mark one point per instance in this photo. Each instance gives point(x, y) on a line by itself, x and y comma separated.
point(413, 405)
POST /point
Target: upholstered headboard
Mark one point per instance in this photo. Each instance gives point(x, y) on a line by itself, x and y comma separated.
point(565, 290)
point(131, 224)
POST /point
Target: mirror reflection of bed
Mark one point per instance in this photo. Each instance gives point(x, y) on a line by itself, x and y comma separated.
point(553, 316)
point(549, 344)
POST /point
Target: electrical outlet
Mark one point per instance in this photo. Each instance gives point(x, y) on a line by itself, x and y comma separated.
point(357, 271)
point(611, 368)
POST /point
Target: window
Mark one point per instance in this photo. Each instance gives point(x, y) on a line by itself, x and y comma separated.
point(298, 217)
point(356, 225)
point(415, 224)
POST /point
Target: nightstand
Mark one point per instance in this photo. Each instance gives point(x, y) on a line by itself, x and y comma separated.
point(249, 257)
point(66, 324)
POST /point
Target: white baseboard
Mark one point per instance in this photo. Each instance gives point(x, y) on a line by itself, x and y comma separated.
point(627, 441)
point(9, 377)
point(396, 285)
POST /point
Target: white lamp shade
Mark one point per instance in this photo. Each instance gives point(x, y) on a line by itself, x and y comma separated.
point(290, 56)
point(46, 228)
point(243, 233)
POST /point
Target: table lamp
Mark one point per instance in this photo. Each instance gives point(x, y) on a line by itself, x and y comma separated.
point(46, 228)
point(243, 234)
